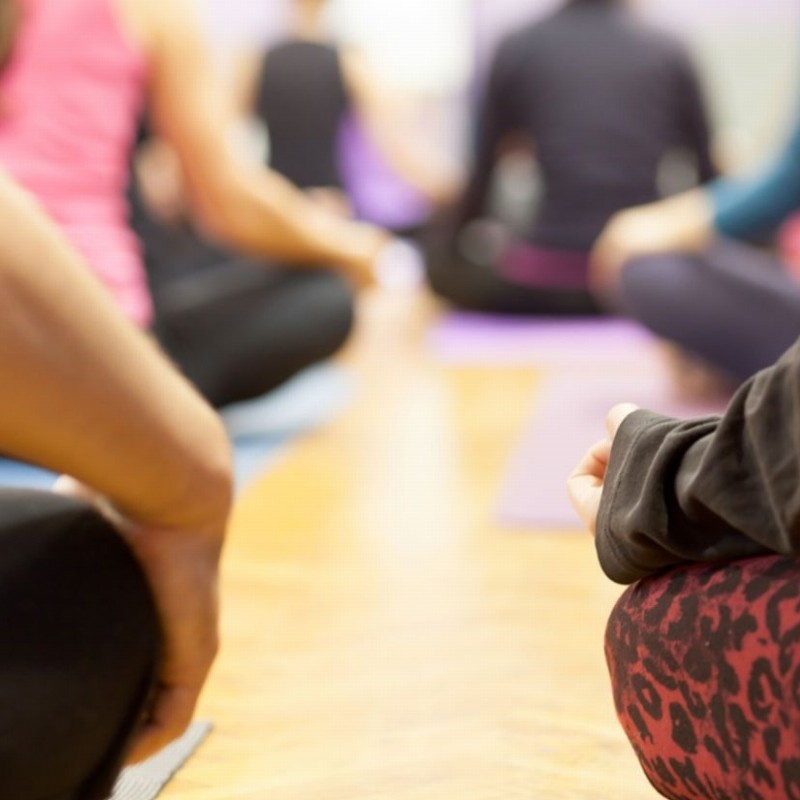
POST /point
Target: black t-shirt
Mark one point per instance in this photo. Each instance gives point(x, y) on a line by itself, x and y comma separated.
point(302, 98)
point(602, 98)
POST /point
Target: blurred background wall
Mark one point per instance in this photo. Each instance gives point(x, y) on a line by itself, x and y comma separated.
point(437, 49)
point(747, 51)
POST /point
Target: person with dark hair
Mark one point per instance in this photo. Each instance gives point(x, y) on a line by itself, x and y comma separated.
point(599, 99)
point(108, 589)
point(703, 517)
point(237, 335)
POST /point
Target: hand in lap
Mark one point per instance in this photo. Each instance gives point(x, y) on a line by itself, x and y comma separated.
point(585, 484)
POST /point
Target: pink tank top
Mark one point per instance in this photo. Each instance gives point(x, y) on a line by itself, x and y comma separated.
point(71, 96)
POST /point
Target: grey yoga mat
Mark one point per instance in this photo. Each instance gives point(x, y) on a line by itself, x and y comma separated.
point(146, 780)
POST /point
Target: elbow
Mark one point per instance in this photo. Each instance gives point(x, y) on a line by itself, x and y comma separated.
point(218, 471)
point(206, 497)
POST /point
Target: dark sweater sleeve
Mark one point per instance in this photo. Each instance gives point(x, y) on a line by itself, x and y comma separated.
point(708, 489)
point(749, 207)
point(496, 118)
point(696, 129)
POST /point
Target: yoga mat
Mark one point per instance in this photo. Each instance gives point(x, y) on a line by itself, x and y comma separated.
point(261, 429)
point(564, 343)
point(310, 399)
point(569, 417)
point(146, 780)
point(16, 475)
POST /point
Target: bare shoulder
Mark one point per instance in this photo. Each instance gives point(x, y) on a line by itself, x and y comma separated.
point(150, 22)
point(357, 70)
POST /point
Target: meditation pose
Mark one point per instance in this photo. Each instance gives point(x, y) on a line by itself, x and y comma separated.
point(600, 100)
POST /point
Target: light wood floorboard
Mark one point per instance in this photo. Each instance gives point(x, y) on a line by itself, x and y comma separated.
point(384, 639)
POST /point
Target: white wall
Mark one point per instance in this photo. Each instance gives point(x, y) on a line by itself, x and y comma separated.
point(421, 45)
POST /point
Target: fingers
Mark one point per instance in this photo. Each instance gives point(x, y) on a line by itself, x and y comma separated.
point(617, 416)
point(585, 492)
point(594, 462)
point(69, 487)
point(585, 485)
point(169, 719)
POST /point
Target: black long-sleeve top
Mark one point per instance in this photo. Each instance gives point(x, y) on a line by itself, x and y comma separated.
point(707, 489)
point(601, 97)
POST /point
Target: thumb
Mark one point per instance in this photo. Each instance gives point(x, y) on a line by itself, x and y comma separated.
point(616, 417)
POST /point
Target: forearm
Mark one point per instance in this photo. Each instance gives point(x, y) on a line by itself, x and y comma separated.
point(710, 489)
point(689, 219)
point(758, 204)
point(260, 212)
point(682, 223)
point(747, 207)
point(90, 395)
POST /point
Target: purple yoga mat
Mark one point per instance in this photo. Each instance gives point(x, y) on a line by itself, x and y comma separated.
point(563, 343)
point(568, 418)
point(378, 195)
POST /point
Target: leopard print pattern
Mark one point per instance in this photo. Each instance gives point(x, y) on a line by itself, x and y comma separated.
point(705, 670)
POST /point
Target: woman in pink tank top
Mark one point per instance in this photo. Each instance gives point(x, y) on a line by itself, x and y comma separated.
point(67, 128)
point(72, 91)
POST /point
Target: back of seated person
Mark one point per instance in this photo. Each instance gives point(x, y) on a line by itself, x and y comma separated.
point(600, 99)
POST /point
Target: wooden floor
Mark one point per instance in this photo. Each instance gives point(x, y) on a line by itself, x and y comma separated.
point(384, 639)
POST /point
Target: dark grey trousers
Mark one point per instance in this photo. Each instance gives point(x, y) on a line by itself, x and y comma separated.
point(734, 306)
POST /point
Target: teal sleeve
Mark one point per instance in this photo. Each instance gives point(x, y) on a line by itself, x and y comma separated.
point(749, 207)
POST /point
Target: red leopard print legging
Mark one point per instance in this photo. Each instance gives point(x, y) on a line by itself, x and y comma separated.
point(705, 668)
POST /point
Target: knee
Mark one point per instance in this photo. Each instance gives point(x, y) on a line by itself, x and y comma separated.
point(76, 610)
point(705, 670)
point(330, 308)
point(329, 311)
point(650, 282)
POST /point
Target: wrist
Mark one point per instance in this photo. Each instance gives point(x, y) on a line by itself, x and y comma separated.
point(195, 493)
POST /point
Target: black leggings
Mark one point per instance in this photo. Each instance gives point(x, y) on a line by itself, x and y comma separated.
point(239, 329)
point(734, 306)
point(466, 273)
point(79, 649)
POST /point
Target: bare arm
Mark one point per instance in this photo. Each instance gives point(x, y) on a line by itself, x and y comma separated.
point(251, 208)
point(86, 394)
point(382, 113)
point(681, 223)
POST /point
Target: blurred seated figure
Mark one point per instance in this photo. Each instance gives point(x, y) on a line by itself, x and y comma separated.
point(685, 267)
point(217, 304)
point(702, 517)
point(601, 101)
point(235, 333)
point(305, 88)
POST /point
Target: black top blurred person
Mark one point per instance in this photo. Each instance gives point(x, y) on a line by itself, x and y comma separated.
point(600, 99)
point(303, 87)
